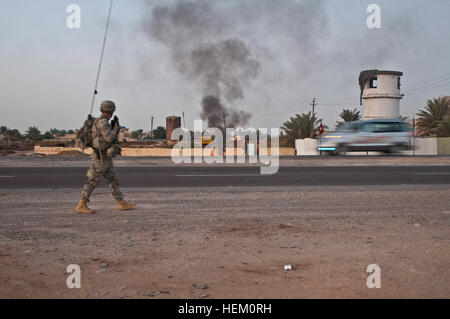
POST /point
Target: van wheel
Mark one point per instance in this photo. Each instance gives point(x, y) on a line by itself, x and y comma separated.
point(395, 149)
point(341, 149)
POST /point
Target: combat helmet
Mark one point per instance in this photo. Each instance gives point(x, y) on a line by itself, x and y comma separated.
point(107, 106)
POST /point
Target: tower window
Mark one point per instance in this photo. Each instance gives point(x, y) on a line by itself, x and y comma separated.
point(373, 83)
point(398, 83)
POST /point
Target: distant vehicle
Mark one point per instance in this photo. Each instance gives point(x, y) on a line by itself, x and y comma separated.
point(383, 135)
point(206, 140)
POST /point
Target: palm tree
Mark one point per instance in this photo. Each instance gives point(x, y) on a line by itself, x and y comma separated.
point(433, 114)
point(348, 116)
point(13, 135)
point(137, 134)
point(299, 127)
point(443, 129)
point(33, 133)
point(159, 133)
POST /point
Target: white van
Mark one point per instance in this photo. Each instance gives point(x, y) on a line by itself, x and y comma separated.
point(384, 135)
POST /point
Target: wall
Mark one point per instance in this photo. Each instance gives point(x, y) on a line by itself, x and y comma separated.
point(443, 144)
point(160, 152)
point(282, 151)
point(50, 150)
point(424, 146)
point(306, 146)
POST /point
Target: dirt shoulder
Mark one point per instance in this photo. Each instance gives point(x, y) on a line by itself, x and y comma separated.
point(232, 242)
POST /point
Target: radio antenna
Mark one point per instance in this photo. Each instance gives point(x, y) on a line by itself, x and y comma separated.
point(101, 57)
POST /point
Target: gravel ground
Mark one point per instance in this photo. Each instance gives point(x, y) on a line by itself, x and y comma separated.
point(228, 243)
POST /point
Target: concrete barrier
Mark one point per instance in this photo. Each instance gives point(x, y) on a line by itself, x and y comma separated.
point(159, 152)
point(424, 146)
point(307, 146)
point(443, 145)
point(282, 151)
point(50, 150)
point(286, 151)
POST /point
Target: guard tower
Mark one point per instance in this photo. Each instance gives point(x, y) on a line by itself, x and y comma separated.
point(380, 91)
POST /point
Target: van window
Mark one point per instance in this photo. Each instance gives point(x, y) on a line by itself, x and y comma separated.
point(349, 127)
point(367, 127)
point(387, 127)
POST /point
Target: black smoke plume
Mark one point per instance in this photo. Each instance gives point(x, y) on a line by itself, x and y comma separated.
point(221, 117)
point(222, 66)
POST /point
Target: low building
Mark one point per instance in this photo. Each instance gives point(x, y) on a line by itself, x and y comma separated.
point(125, 135)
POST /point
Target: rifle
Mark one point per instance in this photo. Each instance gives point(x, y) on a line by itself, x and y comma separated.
point(115, 148)
point(115, 122)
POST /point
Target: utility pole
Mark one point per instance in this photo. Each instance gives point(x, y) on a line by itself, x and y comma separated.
point(151, 131)
point(313, 104)
point(414, 136)
point(224, 121)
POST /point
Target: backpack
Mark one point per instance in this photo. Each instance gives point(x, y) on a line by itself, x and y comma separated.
point(84, 135)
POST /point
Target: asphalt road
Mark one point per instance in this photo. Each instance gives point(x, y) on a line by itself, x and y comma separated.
point(75, 177)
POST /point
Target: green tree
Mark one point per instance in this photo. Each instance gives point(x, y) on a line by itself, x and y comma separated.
point(47, 136)
point(159, 133)
point(443, 129)
point(430, 118)
point(33, 133)
point(57, 132)
point(3, 129)
point(299, 127)
point(138, 134)
point(13, 135)
point(348, 116)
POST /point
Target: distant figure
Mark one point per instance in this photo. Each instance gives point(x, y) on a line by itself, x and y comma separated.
point(106, 147)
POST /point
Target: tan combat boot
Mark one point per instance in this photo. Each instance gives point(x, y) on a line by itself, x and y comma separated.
point(124, 205)
point(82, 208)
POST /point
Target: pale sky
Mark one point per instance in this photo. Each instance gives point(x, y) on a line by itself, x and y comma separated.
point(47, 71)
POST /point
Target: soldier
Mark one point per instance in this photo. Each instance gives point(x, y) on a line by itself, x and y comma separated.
point(105, 148)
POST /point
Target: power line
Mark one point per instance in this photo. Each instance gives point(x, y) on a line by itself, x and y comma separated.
point(270, 112)
point(341, 104)
point(427, 81)
point(437, 82)
point(413, 88)
point(313, 116)
point(424, 89)
point(338, 98)
point(292, 108)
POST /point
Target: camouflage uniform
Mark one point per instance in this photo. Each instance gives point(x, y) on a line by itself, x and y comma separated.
point(103, 137)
